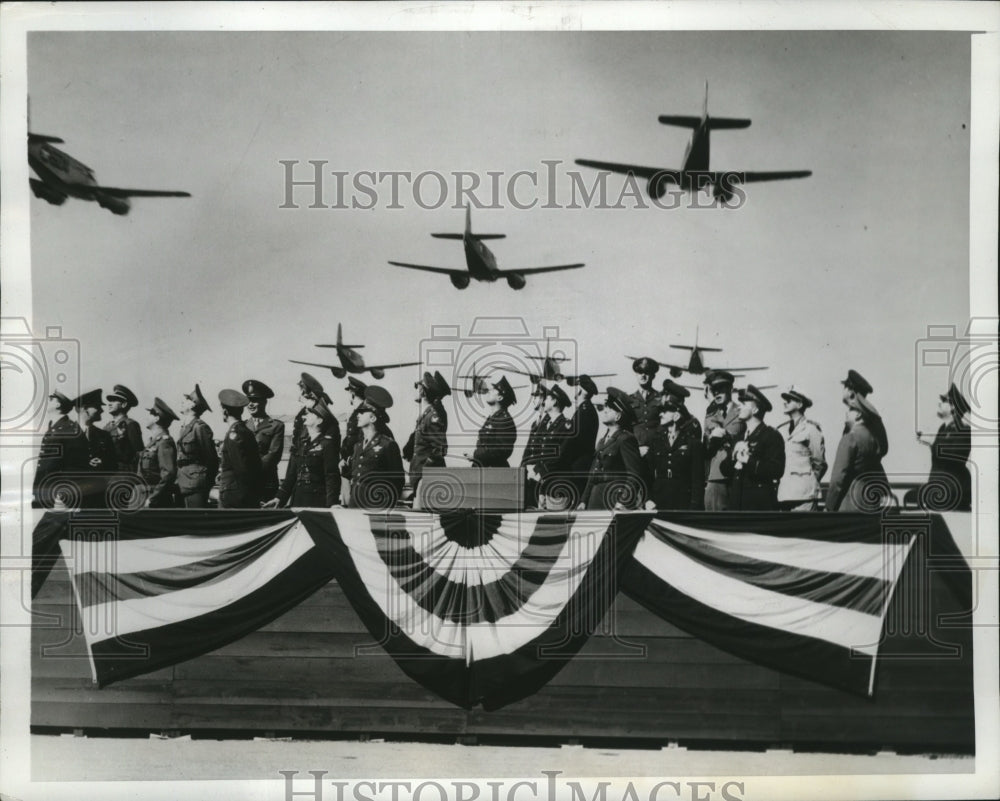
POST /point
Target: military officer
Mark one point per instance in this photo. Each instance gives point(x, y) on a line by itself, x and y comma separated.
point(240, 471)
point(583, 435)
point(61, 452)
point(356, 395)
point(615, 480)
point(757, 460)
point(158, 460)
point(675, 459)
point(949, 485)
point(125, 432)
point(101, 459)
point(197, 459)
point(309, 390)
point(269, 433)
point(805, 455)
point(498, 433)
point(856, 385)
point(428, 445)
point(536, 434)
point(723, 428)
point(554, 454)
point(857, 480)
point(312, 477)
point(645, 401)
point(376, 466)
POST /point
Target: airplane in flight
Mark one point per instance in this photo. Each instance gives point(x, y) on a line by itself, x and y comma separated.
point(695, 173)
point(351, 361)
point(480, 386)
point(551, 371)
point(61, 176)
point(480, 262)
point(696, 364)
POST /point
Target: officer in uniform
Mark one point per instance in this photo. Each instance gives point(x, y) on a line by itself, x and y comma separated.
point(158, 460)
point(312, 478)
point(723, 428)
point(857, 481)
point(356, 395)
point(101, 459)
point(269, 433)
point(498, 433)
point(428, 444)
point(240, 470)
point(61, 452)
point(554, 453)
point(583, 435)
point(197, 459)
point(376, 466)
point(949, 485)
point(125, 432)
point(615, 480)
point(805, 455)
point(757, 460)
point(645, 401)
point(532, 448)
point(855, 385)
point(675, 460)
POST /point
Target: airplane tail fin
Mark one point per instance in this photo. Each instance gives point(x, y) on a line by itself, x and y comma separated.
point(468, 230)
point(714, 123)
point(340, 340)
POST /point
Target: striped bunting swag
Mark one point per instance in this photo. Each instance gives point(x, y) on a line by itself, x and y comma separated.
point(156, 589)
point(806, 594)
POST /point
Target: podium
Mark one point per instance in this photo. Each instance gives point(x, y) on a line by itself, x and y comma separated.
point(494, 488)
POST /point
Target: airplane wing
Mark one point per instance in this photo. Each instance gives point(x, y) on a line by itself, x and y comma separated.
point(112, 191)
point(662, 364)
point(317, 364)
point(672, 176)
point(573, 380)
point(535, 377)
point(749, 177)
point(735, 369)
point(534, 270)
point(442, 270)
point(390, 366)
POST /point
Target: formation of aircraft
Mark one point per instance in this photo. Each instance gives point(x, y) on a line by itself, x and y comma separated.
point(351, 361)
point(696, 363)
point(695, 173)
point(480, 263)
point(61, 176)
point(551, 370)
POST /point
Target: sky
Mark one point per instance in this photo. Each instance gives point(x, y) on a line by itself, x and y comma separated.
point(844, 269)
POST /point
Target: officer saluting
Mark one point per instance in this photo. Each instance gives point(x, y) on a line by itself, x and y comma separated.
point(615, 480)
point(125, 432)
point(645, 401)
point(197, 459)
point(498, 434)
point(269, 433)
point(855, 386)
point(158, 460)
point(240, 470)
point(375, 467)
point(428, 444)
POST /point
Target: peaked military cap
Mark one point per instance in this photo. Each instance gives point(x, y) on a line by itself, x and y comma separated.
point(857, 382)
point(755, 395)
point(538, 390)
point(308, 383)
point(257, 390)
point(378, 397)
point(232, 398)
point(795, 395)
point(675, 390)
point(89, 400)
point(646, 365)
point(123, 393)
point(429, 384)
point(356, 385)
point(200, 404)
point(65, 404)
point(507, 396)
point(716, 377)
point(621, 403)
point(957, 401)
point(587, 383)
point(557, 392)
point(442, 385)
point(865, 407)
point(320, 408)
point(162, 411)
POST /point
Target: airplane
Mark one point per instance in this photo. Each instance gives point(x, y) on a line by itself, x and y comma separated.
point(551, 370)
point(480, 262)
point(61, 176)
point(351, 362)
point(696, 364)
point(695, 173)
point(479, 384)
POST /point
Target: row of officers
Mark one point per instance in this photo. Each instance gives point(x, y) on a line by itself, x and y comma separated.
point(653, 454)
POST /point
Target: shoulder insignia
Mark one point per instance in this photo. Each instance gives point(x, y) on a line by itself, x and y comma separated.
point(232, 435)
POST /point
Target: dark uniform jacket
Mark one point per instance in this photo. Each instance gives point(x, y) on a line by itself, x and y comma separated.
point(351, 435)
point(158, 468)
point(647, 414)
point(61, 451)
point(376, 473)
point(857, 472)
point(717, 449)
point(754, 487)
point(240, 472)
point(312, 477)
point(429, 442)
point(535, 436)
point(677, 468)
point(615, 473)
point(99, 446)
point(496, 440)
point(554, 457)
point(197, 459)
point(270, 436)
point(949, 471)
point(583, 438)
point(127, 438)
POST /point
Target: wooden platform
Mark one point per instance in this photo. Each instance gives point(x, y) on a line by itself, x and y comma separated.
point(317, 671)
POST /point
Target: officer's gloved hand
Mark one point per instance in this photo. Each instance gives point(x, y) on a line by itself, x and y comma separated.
point(650, 506)
point(581, 507)
point(271, 504)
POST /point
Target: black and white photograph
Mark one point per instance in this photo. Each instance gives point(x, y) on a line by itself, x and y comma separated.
point(499, 401)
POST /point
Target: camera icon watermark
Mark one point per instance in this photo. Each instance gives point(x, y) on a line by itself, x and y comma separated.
point(32, 368)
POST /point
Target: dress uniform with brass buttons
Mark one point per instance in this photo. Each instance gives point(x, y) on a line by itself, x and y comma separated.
point(240, 472)
point(312, 477)
point(126, 435)
point(676, 457)
point(645, 400)
point(197, 458)
point(376, 466)
point(269, 433)
point(617, 469)
point(158, 460)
